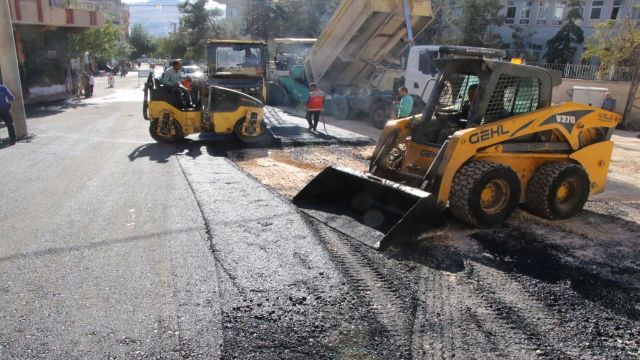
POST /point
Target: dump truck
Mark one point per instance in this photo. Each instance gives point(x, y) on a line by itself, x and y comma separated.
point(357, 60)
point(488, 140)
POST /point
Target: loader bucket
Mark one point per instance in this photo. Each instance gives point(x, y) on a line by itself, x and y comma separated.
point(374, 211)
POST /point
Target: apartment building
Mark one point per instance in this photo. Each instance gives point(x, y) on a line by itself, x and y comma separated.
point(42, 29)
point(235, 15)
point(56, 13)
point(541, 20)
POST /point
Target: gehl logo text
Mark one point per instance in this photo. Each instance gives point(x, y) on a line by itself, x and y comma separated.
point(565, 119)
point(487, 134)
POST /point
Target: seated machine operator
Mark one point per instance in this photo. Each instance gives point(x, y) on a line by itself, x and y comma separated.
point(171, 79)
point(468, 110)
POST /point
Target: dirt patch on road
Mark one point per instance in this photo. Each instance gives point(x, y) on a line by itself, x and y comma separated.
point(290, 169)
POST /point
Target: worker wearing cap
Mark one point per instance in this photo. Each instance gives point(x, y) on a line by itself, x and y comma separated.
point(171, 77)
point(314, 106)
point(609, 102)
point(406, 103)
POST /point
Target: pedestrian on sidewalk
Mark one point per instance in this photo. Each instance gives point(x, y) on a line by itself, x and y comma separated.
point(314, 106)
point(85, 83)
point(406, 103)
point(6, 98)
point(92, 83)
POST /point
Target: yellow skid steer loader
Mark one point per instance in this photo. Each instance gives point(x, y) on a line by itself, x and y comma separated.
point(488, 140)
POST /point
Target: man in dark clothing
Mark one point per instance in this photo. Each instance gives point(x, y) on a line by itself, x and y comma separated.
point(6, 98)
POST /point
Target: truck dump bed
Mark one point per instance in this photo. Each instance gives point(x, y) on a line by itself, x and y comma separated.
point(363, 36)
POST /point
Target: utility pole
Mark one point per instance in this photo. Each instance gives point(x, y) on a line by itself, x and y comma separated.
point(633, 91)
point(10, 69)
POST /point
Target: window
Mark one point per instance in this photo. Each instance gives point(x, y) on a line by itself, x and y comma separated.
point(511, 12)
point(543, 9)
point(512, 95)
point(424, 62)
point(69, 16)
point(453, 104)
point(525, 13)
point(596, 9)
point(93, 18)
point(558, 13)
point(616, 9)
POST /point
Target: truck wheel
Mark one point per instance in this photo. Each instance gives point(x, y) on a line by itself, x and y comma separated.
point(341, 108)
point(378, 116)
point(174, 134)
point(557, 191)
point(484, 193)
point(237, 129)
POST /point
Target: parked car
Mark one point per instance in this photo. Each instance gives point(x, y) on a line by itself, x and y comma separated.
point(193, 71)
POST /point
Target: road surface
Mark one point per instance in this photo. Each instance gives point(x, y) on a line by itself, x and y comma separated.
point(114, 246)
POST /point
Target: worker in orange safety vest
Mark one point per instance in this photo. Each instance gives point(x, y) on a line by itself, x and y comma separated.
point(315, 105)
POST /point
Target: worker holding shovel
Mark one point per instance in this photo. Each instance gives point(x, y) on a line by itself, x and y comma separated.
point(314, 106)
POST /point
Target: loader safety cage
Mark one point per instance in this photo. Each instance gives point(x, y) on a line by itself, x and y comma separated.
point(515, 90)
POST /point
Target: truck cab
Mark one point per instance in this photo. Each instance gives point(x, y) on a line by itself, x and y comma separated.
point(421, 73)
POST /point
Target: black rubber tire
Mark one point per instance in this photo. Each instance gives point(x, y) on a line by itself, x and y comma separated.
point(379, 115)
point(153, 131)
point(386, 148)
point(145, 110)
point(541, 193)
point(341, 109)
point(250, 139)
point(467, 187)
point(145, 102)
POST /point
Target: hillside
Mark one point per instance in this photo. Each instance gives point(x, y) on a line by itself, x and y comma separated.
point(157, 16)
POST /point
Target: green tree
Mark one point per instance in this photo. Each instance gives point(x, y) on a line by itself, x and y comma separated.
point(520, 41)
point(197, 25)
point(142, 41)
point(614, 45)
point(303, 18)
point(438, 32)
point(475, 22)
point(561, 48)
point(104, 43)
point(172, 46)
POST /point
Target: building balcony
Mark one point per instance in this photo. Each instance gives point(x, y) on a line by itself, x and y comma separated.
point(75, 5)
point(56, 13)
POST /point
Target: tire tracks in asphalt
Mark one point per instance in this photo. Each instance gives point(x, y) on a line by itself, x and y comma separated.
point(392, 311)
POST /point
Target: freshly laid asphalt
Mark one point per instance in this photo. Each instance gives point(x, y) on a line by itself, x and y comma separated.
point(114, 246)
point(291, 130)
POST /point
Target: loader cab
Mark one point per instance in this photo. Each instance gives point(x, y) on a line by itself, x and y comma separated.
point(503, 90)
point(422, 71)
point(239, 65)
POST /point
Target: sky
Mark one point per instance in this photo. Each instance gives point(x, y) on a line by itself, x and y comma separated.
point(158, 20)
